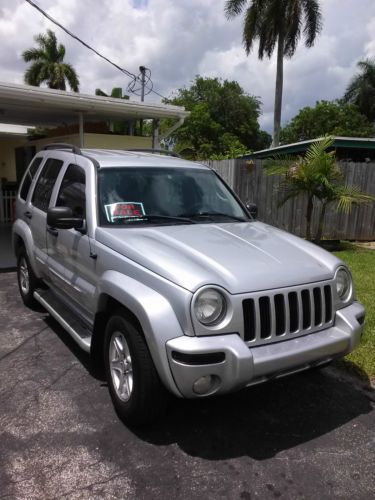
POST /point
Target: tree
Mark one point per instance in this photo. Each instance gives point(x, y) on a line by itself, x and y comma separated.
point(317, 176)
point(47, 64)
point(327, 118)
point(277, 22)
point(361, 90)
point(223, 119)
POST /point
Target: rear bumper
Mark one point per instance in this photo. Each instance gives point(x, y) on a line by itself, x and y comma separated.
point(239, 366)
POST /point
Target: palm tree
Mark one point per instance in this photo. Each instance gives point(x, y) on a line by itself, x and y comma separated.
point(47, 64)
point(361, 90)
point(277, 22)
point(317, 175)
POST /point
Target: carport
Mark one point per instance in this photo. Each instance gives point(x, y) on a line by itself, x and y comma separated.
point(35, 106)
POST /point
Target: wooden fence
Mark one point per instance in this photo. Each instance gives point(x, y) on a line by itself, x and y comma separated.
point(252, 184)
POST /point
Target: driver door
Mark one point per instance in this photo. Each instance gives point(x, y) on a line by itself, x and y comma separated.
point(71, 268)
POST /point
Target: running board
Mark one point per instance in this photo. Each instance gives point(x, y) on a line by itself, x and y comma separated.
point(63, 316)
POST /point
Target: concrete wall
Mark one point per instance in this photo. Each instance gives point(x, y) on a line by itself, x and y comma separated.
point(101, 141)
point(8, 156)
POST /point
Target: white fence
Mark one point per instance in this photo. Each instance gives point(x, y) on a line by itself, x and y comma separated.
point(7, 206)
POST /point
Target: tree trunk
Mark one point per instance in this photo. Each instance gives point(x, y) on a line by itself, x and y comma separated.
point(321, 223)
point(309, 211)
point(278, 90)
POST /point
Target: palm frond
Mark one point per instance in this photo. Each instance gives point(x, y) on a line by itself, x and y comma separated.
point(250, 31)
point(234, 7)
point(347, 195)
point(313, 21)
point(33, 74)
point(279, 164)
point(317, 148)
point(33, 55)
point(71, 76)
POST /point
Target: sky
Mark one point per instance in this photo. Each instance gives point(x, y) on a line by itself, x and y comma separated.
point(179, 39)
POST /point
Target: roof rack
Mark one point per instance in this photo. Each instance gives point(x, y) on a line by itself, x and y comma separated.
point(63, 145)
point(155, 151)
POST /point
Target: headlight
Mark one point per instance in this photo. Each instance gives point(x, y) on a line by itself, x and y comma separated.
point(210, 307)
point(343, 284)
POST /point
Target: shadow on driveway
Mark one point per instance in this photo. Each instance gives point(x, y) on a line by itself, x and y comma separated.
point(258, 422)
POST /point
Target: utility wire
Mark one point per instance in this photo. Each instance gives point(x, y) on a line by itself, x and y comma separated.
point(126, 72)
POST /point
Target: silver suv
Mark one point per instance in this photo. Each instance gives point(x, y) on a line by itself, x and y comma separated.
point(155, 267)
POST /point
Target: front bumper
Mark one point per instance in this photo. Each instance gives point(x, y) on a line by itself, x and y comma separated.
point(234, 365)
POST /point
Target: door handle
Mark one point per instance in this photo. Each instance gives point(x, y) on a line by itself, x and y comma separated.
point(28, 214)
point(52, 231)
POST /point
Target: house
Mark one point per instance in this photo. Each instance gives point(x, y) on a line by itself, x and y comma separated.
point(356, 149)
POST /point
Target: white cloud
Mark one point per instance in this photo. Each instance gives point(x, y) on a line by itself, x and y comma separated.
point(179, 39)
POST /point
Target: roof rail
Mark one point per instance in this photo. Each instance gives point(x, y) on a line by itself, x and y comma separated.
point(63, 145)
point(155, 151)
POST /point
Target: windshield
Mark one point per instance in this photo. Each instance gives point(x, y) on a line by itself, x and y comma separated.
point(133, 196)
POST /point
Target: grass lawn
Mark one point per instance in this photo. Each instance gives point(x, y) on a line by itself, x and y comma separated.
point(362, 264)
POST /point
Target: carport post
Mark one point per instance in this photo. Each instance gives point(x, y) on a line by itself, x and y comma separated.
point(155, 134)
point(81, 133)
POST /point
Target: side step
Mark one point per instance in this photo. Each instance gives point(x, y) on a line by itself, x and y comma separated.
point(65, 317)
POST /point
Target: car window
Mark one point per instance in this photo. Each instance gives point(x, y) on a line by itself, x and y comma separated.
point(46, 181)
point(72, 191)
point(30, 174)
point(138, 195)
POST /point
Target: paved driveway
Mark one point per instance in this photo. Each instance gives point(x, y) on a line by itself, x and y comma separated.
point(307, 436)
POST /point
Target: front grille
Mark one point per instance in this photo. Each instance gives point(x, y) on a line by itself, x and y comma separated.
point(268, 317)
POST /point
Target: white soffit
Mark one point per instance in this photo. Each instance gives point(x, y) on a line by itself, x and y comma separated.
point(35, 106)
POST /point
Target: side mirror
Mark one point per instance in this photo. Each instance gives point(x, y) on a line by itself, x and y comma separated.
point(62, 218)
point(252, 209)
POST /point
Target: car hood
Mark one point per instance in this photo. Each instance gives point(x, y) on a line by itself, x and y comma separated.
point(240, 257)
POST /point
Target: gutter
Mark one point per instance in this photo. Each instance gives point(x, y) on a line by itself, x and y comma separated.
point(174, 127)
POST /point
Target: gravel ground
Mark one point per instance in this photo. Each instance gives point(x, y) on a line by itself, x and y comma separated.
point(308, 436)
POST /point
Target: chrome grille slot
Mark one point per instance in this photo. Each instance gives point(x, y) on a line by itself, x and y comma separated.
point(280, 314)
point(293, 311)
point(249, 319)
point(318, 306)
point(265, 317)
point(273, 317)
point(328, 303)
point(306, 309)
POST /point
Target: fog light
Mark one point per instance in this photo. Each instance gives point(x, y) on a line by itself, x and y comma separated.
point(204, 384)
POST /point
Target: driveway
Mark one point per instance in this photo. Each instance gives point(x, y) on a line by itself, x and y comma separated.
point(308, 436)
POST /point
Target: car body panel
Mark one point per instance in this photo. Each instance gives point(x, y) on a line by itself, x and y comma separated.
point(238, 256)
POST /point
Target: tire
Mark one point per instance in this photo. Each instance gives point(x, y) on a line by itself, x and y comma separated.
point(27, 281)
point(134, 385)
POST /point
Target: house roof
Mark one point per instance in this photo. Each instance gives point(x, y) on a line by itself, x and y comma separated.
point(35, 106)
point(346, 143)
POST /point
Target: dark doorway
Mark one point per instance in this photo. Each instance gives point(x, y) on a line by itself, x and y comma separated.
point(24, 155)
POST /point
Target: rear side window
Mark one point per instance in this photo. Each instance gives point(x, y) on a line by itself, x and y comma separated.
point(44, 186)
point(72, 191)
point(30, 174)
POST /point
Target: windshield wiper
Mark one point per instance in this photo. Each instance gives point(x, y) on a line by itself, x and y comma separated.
point(215, 214)
point(156, 217)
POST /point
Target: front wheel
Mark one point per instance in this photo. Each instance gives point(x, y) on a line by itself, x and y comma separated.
point(27, 281)
point(136, 391)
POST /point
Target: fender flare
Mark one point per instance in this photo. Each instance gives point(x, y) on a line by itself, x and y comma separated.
point(21, 229)
point(154, 313)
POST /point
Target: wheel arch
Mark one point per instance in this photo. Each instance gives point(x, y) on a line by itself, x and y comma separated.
point(22, 238)
point(149, 312)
